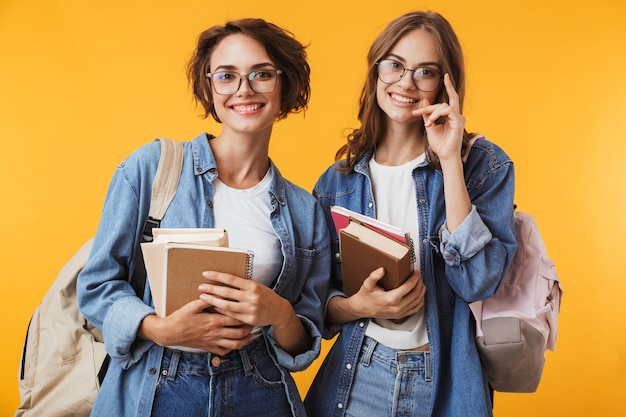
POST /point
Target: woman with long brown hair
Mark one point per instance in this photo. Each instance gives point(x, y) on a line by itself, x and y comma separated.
point(406, 351)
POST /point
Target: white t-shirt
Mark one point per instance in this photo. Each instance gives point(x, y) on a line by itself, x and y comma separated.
point(396, 204)
point(245, 214)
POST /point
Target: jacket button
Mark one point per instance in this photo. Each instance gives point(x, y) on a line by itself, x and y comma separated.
point(215, 361)
point(152, 371)
point(339, 405)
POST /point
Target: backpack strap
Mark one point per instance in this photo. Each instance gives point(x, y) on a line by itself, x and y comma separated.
point(165, 184)
point(469, 146)
point(164, 189)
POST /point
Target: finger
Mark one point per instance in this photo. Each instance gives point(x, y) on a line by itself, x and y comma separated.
point(453, 97)
point(234, 344)
point(220, 291)
point(371, 281)
point(236, 332)
point(220, 304)
point(216, 318)
point(424, 108)
point(223, 278)
point(196, 306)
point(438, 116)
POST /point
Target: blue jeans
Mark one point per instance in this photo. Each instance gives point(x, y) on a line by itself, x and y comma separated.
point(242, 383)
point(390, 382)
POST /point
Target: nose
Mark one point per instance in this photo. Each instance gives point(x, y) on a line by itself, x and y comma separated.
point(407, 82)
point(244, 86)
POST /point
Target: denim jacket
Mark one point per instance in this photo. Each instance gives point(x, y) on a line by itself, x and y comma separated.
point(107, 299)
point(457, 269)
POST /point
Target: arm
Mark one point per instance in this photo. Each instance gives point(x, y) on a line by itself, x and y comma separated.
point(478, 237)
point(107, 299)
point(445, 140)
point(105, 296)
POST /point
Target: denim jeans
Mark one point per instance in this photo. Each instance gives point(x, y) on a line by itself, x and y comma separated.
point(390, 382)
point(241, 383)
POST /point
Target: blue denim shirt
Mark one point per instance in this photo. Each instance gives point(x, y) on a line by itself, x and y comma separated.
point(107, 299)
point(457, 269)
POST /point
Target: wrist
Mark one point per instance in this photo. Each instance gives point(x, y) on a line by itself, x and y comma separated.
point(286, 316)
point(452, 162)
point(349, 309)
point(150, 328)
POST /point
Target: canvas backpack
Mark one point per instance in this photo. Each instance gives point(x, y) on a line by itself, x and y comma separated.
point(63, 359)
point(516, 326)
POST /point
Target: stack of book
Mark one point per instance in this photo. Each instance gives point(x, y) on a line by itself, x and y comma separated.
point(367, 244)
point(176, 259)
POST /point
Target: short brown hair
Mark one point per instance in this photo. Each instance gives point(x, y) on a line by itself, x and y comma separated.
point(284, 50)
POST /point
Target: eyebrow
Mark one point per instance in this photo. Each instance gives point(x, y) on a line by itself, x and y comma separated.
point(422, 64)
point(254, 67)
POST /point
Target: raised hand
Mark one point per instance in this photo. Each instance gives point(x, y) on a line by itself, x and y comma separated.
point(444, 123)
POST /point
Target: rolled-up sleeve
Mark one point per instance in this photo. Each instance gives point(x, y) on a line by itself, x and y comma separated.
point(470, 237)
point(105, 295)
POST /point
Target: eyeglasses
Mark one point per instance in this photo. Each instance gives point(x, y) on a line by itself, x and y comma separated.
point(425, 79)
point(229, 82)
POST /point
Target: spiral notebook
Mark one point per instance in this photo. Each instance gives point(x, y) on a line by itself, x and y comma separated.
point(175, 269)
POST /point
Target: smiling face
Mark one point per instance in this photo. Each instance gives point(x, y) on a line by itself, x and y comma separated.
point(244, 111)
point(416, 49)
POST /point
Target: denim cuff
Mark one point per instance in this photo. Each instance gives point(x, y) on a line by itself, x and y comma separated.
point(302, 361)
point(468, 239)
point(120, 328)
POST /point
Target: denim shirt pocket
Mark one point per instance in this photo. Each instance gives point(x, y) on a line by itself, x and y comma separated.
point(306, 255)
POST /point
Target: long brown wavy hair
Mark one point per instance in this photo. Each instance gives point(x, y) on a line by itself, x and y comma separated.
point(283, 49)
point(371, 116)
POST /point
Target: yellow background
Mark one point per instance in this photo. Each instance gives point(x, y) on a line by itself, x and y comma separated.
point(82, 84)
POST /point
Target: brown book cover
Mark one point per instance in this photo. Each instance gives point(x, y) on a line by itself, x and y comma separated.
point(364, 249)
point(175, 269)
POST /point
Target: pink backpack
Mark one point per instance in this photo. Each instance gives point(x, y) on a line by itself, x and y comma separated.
point(518, 324)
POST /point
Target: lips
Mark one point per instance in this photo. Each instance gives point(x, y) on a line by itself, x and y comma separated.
point(402, 99)
point(243, 108)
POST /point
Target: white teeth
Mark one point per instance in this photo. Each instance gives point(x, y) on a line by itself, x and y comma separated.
point(251, 107)
point(402, 99)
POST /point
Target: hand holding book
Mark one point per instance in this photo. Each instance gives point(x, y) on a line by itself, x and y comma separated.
point(176, 259)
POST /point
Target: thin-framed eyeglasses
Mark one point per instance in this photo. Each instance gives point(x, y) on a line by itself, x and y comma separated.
point(426, 79)
point(228, 82)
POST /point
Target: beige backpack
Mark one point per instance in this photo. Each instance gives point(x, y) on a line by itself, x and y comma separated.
point(63, 360)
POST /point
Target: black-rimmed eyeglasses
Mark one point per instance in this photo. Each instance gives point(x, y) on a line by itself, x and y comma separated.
point(229, 82)
point(390, 72)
